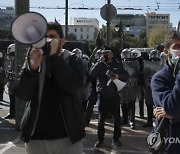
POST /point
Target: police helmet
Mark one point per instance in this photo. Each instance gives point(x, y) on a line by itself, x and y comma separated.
point(154, 55)
point(1, 55)
point(77, 52)
point(135, 53)
point(126, 54)
point(11, 49)
point(98, 54)
point(84, 56)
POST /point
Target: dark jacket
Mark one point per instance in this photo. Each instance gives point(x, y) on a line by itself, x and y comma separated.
point(166, 93)
point(99, 70)
point(69, 78)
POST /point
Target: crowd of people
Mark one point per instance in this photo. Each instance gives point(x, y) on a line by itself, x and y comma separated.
point(68, 84)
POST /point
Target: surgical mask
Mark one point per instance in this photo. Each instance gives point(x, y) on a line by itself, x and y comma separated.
point(175, 56)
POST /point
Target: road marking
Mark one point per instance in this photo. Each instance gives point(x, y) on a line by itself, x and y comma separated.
point(125, 135)
point(115, 151)
point(7, 128)
point(8, 145)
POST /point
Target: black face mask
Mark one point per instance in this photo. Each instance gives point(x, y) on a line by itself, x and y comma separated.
point(106, 58)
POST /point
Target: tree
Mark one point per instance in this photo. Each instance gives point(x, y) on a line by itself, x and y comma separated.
point(5, 34)
point(71, 37)
point(156, 36)
point(143, 38)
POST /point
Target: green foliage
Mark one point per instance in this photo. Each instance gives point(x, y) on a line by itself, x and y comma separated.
point(5, 34)
point(156, 36)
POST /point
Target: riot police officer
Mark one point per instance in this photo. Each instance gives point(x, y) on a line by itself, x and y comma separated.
point(9, 67)
point(2, 75)
point(84, 91)
point(128, 94)
point(92, 99)
point(151, 66)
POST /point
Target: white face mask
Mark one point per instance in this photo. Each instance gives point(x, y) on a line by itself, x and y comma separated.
point(175, 55)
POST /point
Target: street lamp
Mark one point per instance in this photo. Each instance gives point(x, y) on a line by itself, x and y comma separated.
point(120, 29)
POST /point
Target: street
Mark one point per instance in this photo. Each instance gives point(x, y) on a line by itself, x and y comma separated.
point(133, 141)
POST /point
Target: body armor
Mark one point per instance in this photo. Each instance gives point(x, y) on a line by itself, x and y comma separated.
point(129, 92)
point(9, 69)
point(150, 68)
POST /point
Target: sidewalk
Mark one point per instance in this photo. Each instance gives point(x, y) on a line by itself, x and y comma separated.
point(133, 141)
point(9, 141)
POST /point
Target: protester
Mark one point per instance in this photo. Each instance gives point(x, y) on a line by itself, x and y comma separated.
point(108, 69)
point(165, 87)
point(53, 121)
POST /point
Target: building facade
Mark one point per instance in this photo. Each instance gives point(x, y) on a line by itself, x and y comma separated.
point(6, 17)
point(136, 23)
point(154, 20)
point(139, 22)
point(84, 28)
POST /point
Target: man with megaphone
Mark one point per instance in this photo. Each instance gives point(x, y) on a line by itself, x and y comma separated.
point(53, 121)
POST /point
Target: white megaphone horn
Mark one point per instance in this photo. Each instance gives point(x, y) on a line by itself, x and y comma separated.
point(30, 28)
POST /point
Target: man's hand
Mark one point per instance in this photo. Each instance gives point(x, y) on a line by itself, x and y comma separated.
point(55, 48)
point(159, 112)
point(116, 76)
point(101, 59)
point(35, 58)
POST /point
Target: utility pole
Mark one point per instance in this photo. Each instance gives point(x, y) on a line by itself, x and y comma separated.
point(108, 22)
point(21, 6)
point(66, 19)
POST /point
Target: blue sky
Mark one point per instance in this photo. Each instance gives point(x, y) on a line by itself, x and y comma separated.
point(165, 6)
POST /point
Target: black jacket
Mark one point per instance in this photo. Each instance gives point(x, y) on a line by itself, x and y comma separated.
point(70, 78)
point(99, 70)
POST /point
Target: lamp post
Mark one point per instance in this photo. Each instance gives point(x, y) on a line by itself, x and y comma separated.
point(120, 29)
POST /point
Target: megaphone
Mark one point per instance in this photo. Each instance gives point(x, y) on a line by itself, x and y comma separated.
point(30, 28)
point(118, 83)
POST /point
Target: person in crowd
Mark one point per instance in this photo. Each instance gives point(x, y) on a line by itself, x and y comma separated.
point(53, 121)
point(108, 69)
point(163, 56)
point(84, 91)
point(93, 97)
point(151, 66)
point(165, 87)
point(9, 68)
point(128, 94)
point(2, 76)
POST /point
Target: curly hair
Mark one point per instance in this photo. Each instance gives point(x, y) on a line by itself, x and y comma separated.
point(172, 35)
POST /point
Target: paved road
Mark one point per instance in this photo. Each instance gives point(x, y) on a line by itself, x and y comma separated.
point(133, 141)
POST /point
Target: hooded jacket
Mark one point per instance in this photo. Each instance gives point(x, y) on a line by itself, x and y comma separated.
point(166, 93)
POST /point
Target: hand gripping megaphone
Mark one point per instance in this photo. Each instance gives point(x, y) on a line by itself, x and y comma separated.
point(30, 28)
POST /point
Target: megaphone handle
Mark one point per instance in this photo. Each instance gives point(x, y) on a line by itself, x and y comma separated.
point(176, 67)
point(48, 66)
